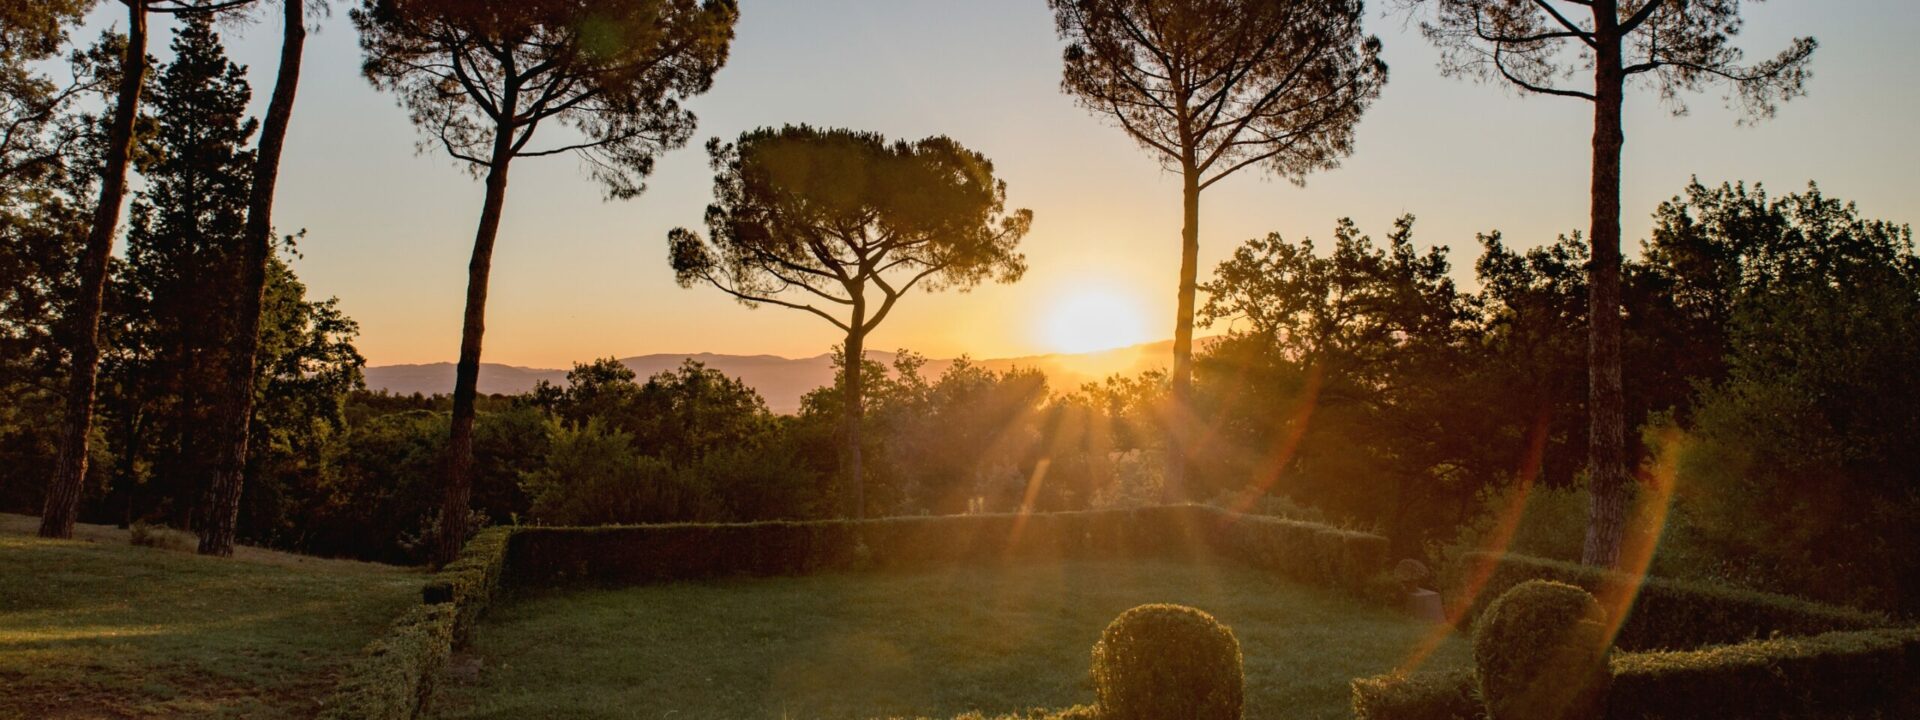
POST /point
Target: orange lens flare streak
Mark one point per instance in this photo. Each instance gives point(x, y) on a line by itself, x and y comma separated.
point(1506, 525)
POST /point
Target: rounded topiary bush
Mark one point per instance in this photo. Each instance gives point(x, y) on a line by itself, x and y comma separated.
point(1540, 653)
point(1156, 662)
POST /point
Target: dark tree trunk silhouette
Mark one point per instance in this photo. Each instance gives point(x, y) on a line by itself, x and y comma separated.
point(453, 513)
point(856, 412)
point(63, 494)
point(1606, 411)
point(1182, 382)
point(233, 413)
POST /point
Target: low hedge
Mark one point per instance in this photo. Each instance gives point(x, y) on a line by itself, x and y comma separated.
point(627, 555)
point(1421, 696)
point(394, 676)
point(1862, 674)
point(1867, 674)
point(469, 583)
point(1668, 614)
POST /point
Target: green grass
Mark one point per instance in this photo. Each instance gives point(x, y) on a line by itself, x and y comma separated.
point(97, 628)
point(910, 644)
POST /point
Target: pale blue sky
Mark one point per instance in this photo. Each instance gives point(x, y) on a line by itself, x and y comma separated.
point(389, 230)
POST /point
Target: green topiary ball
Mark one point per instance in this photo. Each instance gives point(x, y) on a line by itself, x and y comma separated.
point(1540, 653)
point(1157, 662)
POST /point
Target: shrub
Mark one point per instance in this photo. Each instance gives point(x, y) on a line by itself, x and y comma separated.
point(159, 537)
point(394, 676)
point(1168, 661)
point(1666, 614)
point(1867, 674)
point(1424, 696)
point(1541, 654)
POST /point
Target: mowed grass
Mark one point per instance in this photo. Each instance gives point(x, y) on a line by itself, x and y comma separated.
point(97, 628)
point(933, 644)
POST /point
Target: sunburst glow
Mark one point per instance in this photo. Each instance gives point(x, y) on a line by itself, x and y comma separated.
point(1093, 318)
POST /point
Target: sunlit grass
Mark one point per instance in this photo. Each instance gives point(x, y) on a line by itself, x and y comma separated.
point(102, 629)
point(872, 645)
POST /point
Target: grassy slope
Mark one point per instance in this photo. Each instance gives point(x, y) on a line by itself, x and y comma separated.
point(96, 628)
point(937, 644)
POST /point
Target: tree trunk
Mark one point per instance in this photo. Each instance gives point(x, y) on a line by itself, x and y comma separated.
point(1607, 462)
point(855, 411)
point(1175, 489)
point(63, 494)
point(233, 413)
point(453, 512)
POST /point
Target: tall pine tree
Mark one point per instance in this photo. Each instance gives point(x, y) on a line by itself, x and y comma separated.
point(183, 239)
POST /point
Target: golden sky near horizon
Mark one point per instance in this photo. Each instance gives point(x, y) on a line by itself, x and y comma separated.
point(389, 230)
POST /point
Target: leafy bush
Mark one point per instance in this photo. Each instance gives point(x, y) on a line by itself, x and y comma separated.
point(1666, 614)
point(1168, 661)
point(159, 537)
point(593, 475)
point(393, 678)
point(1541, 654)
point(1424, 696)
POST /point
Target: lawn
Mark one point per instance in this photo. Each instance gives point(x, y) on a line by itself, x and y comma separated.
point(932, 643)
point(96, 628)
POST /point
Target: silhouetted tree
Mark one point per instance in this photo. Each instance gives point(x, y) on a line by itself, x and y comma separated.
point(803, 216)
point(1216, 86)
point(63, 493)
point(233, 402)
point(1673, 46)
point(37, 127)
point(481, 78)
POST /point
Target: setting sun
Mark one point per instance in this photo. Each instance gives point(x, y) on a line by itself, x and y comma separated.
point(1093, 318)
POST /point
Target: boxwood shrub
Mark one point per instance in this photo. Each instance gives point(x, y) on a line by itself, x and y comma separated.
point(1540, 653)
point(1155, 662)
point(1666, 614)
point(1449, 695)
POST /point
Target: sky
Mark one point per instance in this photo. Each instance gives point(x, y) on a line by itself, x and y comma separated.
point(389, 227)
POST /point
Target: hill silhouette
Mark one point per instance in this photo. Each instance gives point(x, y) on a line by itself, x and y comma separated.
point(780, 380)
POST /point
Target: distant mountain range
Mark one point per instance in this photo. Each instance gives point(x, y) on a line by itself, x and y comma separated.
point(781, 381)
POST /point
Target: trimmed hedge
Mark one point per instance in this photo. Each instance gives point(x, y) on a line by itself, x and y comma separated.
point(1868, 674)
point(1670, 614)
point(1865, 674)
point(628, 555)
point(471, 580)
point(394, 677)
point(1422, 696)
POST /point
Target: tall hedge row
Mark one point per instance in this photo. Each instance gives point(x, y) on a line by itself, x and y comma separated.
point(1668, 614)
point(630, 555)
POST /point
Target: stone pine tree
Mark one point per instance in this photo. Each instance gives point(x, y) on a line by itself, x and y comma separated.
point(63, 492)
point(842, 224)
point(233, 406)
point(1672, 47)
point(1213, 87)
point(480, 78)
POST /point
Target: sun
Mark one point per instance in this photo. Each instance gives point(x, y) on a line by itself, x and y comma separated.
point(1087, 319)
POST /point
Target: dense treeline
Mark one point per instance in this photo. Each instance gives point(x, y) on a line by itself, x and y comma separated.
point(1766, 352)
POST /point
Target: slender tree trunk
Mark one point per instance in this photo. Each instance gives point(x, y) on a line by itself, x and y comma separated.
point(1175, 489)
point(855, 411)
point(63, 494)
point(453, 512)
point(233, 413)
point(1607, 462)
